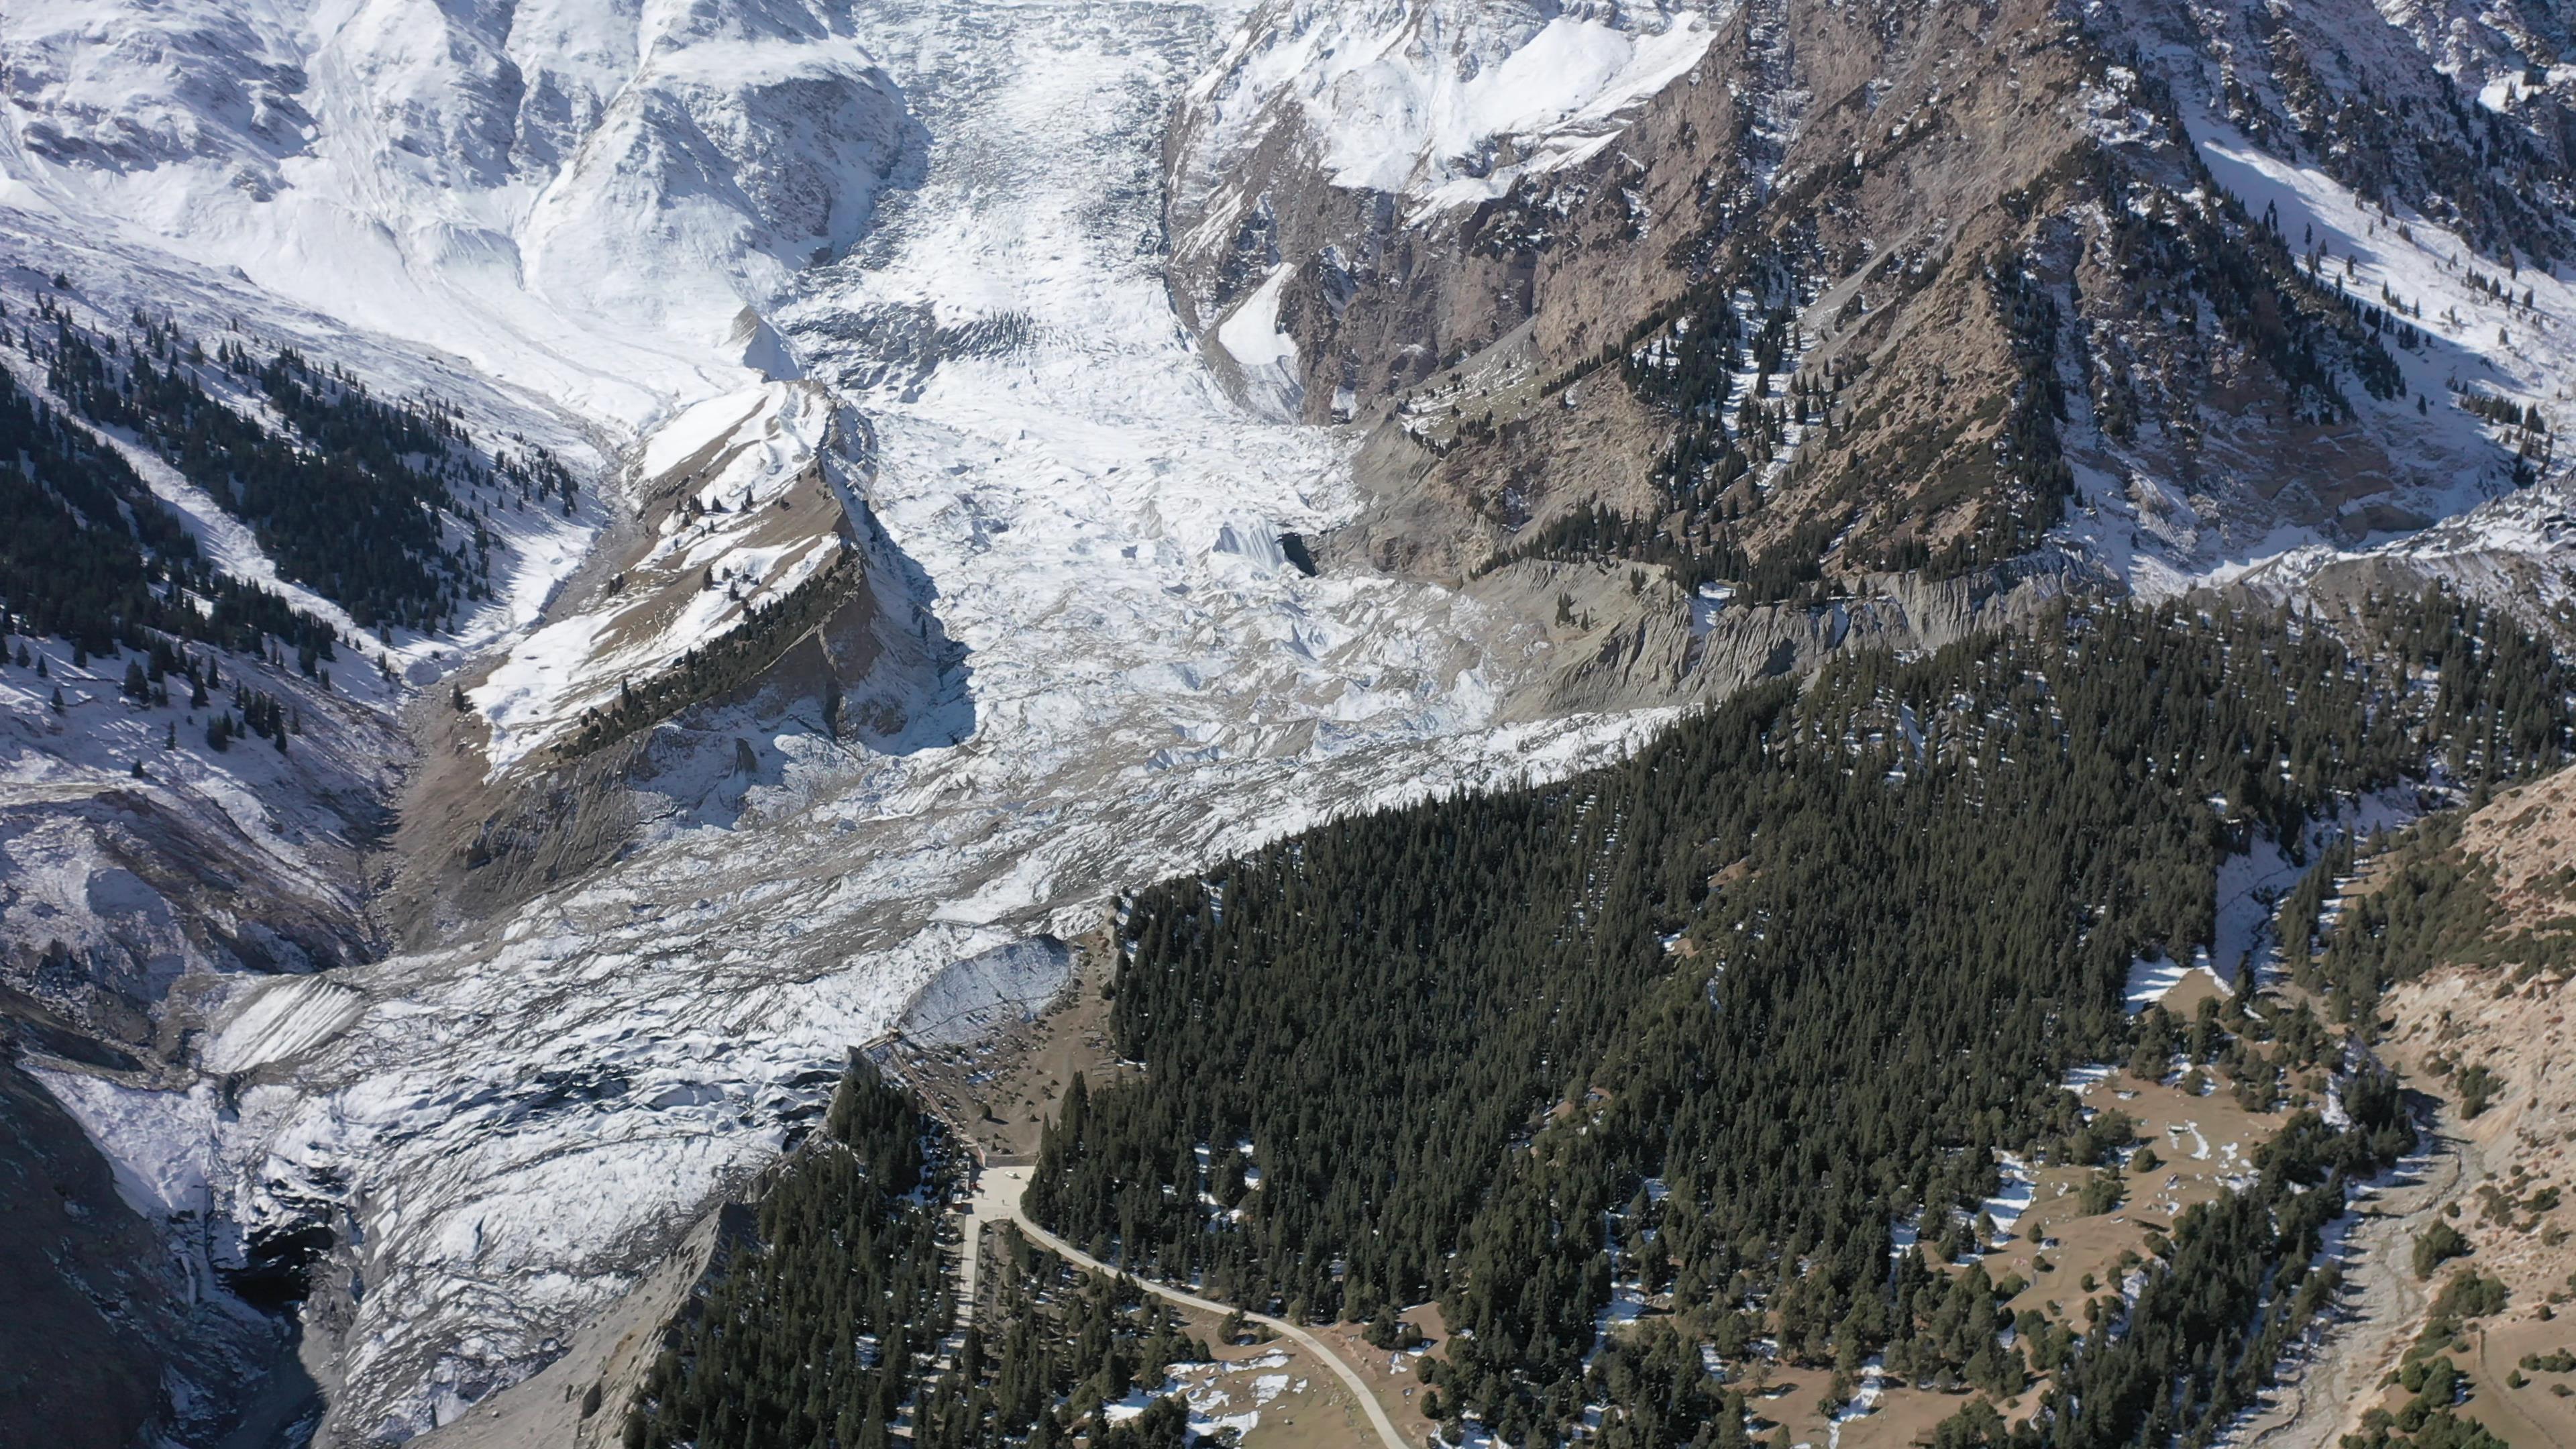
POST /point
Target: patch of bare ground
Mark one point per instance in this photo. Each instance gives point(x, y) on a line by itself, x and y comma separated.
point(2529, 837)
point(1394, 1375)
point(2516, 1178)
point(2202, 1143)
point(2493, 1044)
point(1794, 1397)
point(999, 1092)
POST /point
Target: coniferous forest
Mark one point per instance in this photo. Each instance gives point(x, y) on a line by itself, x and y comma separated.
point(1750, 1017)
point(826, 1324)
point(819, 1325)
point(383, 506)
point(1787, 980)
point(87, 553)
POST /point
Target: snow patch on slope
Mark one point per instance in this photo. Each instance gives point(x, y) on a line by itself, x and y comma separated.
point(2454, 462)
point(1265, 355)
point(574, 197)
point(735, 549)
point(1446, 102)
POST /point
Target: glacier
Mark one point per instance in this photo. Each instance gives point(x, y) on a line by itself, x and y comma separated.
point(911, 255)
point(914, 250)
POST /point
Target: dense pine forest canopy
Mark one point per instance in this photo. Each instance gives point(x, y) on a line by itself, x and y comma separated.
point(1721, 1019)
point(87, 554)
point(382, 506)
point(826, 1322)
point(815, 1329)
point(1051, 1349)
point(1789, 978)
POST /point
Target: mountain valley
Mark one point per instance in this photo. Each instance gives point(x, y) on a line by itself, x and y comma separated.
point(643, 642)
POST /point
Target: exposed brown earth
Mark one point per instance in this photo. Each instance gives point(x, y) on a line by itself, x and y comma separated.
point(1905, 172)
point(2502, 1177)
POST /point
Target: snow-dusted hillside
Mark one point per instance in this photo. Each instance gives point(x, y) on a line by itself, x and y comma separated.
point(507, 1129)
point(736, 542)
point(576, 198)
point(1347, 124)
point(2481, 342)
point(2516, 553)
point(2490, 323)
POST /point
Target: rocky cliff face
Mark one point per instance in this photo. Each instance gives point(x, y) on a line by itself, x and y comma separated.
point(1837, 288)
point(1681, 343)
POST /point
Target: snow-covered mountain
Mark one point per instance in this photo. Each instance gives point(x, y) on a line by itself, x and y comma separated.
point(1333, 125)
point(1001, 338)
point(578, 199)
point(1442, 104)
point(1080, 655)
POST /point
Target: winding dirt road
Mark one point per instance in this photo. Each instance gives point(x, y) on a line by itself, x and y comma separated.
point(997, 1199)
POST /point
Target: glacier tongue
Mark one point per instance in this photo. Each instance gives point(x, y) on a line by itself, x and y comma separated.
point(511, 1127)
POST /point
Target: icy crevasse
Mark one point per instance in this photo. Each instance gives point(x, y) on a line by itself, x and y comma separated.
point(510, 1127)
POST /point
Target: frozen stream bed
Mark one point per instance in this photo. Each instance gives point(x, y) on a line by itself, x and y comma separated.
point(507, 1132)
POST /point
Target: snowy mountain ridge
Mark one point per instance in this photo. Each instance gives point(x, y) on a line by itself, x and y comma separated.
point(577, 199)
point(1446, 103)
point(801, 286)
point(1082, 656)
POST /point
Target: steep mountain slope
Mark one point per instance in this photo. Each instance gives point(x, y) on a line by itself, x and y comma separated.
point(2464, 921)
point(171, 840)
point(930, 584)
point(549, 220)
point(577, 199)
point(631, 958)
point(1899, 279)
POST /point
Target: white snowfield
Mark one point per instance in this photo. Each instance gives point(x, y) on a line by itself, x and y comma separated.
point(943, 217)
point(577, 197)
point(508, 1130)
point(1443, 102)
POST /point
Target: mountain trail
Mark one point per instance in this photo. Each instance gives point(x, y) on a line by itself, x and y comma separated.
point(997, 1199)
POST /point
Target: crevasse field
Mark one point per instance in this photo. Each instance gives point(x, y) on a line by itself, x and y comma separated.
point(916, 248)
point(515, 1126)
